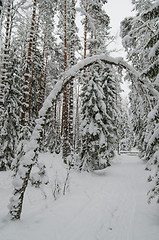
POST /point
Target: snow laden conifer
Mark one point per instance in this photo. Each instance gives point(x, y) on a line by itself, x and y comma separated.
point(98, 126)
point(143, 52)
point(152, 136)
point(10, 123)
point(109, 85)
point(135, 34)
point(10, 95)
point(98, 120)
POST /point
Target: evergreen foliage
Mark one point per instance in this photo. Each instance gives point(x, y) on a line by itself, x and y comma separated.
point(143, 52)
point(98, 126)
point(90, 122)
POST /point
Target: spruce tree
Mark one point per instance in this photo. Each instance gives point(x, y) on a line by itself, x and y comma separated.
point(140, 38)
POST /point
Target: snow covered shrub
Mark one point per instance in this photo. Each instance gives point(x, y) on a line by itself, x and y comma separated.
point(39, 177)
point(56, 189)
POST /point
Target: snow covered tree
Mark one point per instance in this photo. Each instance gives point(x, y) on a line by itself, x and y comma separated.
point(10, 94)
point(152, 136)
point(126, 129)
point(10, 122)
point(98, 127)
point(140, 38)
point(97, 76)
point(27, 70)
point(135, 34)
point(109, 85)
point(70, 45)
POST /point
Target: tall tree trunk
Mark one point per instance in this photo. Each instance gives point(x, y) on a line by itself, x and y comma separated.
point(5, 54)
point(85, 36)
point(72, 38)
point(85, 32)
point(117, 125)
point(91, 50)
point(44, 86)
point(3, 82)
point(76, 142)
point(41, 76)
point(64, 127)
point(33, 69)
point(27, 71)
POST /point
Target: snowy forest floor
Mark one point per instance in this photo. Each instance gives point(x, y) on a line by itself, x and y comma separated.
point(110, 204)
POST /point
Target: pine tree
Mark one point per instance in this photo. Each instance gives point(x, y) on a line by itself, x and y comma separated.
point(70, 46)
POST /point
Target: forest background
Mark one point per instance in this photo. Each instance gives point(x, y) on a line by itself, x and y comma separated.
point(60, 93)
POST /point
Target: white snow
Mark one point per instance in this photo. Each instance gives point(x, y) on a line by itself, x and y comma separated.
point(90, 19)
point(154, 49)
point(107, 204)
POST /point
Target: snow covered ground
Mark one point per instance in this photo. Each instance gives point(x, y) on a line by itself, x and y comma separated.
point(106, 205)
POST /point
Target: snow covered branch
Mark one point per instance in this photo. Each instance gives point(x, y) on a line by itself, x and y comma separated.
point(78, 67)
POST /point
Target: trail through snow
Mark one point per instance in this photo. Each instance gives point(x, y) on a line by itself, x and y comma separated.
point(106, 205)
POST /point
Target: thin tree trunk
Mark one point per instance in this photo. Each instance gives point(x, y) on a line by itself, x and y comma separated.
point(27, 72)
point(76, 144)
point(64, 127)
point(33, 68)
point(6, 53)
point(44, 86)
point(41, 75)
point(85, 37)
point(72, 37)
point(65, 64)
point(85, 33)
point(91, 50)
point(117, 127)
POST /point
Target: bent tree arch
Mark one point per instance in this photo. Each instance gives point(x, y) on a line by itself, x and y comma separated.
point(31, 147)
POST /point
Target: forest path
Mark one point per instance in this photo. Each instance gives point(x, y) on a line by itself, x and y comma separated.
point(114, 205)
point(110, 204)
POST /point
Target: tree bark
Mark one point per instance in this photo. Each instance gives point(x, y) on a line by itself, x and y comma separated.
point(27, 71)
point(41, 75)
point(65, 126)
point(33, 69)
point(6, 53)
point(85, 33)
point(44, 86)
